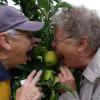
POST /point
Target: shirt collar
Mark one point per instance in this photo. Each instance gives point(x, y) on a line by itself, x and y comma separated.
point(92, 71)
point(4, 74)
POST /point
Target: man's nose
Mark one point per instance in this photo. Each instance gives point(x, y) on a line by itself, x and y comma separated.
point(53, 45)
point(35, 41)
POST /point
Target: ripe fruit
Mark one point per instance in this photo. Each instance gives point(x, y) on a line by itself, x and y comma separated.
point(50, 58)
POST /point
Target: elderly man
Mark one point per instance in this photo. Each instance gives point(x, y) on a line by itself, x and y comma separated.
point(16, 39)
point(77, 42)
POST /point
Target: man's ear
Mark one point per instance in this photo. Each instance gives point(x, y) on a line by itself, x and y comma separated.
point(4, 43)
point(83, 44)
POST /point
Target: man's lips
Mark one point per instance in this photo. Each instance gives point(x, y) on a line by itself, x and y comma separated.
point(28, 59)
point(28, 55)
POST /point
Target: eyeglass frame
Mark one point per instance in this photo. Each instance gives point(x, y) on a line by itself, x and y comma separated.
point(14, 32)
point(59, 40)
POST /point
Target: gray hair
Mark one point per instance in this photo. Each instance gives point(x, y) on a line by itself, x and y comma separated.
point(11, 33)
point(77, 22)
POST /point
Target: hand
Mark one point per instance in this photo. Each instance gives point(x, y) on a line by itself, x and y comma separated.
point(66, 77)
point(29, 90)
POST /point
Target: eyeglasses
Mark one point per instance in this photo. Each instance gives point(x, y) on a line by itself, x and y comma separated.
point(61, 39)
point(11, 33)
point(29, 35)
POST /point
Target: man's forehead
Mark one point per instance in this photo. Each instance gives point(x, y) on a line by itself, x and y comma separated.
point(59, 30)
point(60, 34)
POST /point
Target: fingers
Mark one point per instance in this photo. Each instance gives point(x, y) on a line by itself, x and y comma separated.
point(37, 77)
point(60, 77)
point(38, 96)
point(68, 72)
point(30, 77)
point(65, 76)
point(34, 94)
point(65, 71)
point(35, 40)
point(29, 90)
point(18, 91)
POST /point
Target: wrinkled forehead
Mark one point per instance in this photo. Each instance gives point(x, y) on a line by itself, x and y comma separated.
point(59, 32)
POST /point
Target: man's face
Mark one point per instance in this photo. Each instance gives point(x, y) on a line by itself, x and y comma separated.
point(66, 48)
point(20, 46)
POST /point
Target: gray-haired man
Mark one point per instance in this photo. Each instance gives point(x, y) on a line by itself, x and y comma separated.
point(16, 39)
point(77, 42)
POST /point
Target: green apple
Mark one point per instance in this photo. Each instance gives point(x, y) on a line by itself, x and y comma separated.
point(50, 58)
point(49, 75)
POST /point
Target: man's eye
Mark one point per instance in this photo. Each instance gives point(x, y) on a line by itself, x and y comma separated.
point(29, 36)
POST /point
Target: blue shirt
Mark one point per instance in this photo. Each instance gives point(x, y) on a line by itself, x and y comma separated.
point(4, 74)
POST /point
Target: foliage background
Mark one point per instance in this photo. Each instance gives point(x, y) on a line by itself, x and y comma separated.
point(40, 10)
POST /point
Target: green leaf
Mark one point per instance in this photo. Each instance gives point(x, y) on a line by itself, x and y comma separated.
point(54, 96)
point(63, 4)
point(17, 2)
point(57, 0)
point(55, 8)
point(44, 4)
point(3, 2)
point(24, 67)
point(6, 1)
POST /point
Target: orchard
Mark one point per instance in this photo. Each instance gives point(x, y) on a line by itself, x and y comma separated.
point(42, 57)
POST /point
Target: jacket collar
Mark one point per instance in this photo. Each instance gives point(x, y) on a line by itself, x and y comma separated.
point(92, 71)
